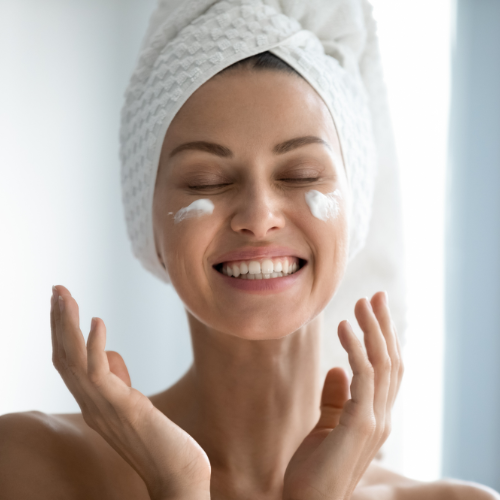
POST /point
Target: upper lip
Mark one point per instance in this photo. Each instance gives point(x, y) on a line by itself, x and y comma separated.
point(250, 253)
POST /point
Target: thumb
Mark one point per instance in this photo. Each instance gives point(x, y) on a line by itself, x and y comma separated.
point(118, 367)
point(335, 394)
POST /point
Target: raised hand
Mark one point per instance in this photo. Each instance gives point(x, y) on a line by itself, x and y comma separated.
point(334, 456)
point(171, 463)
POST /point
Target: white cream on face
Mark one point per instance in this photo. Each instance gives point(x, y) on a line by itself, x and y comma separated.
point(323, 206)
point(196, 209)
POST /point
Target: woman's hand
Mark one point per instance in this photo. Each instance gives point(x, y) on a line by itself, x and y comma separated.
point(334, 456)
point(170, 461)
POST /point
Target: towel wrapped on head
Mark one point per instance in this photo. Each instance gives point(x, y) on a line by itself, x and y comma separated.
point(333, 45)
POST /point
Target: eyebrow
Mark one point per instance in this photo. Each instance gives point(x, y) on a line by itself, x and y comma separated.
point(223, 152)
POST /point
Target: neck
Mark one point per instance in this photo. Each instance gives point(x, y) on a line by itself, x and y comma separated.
point(249, 403)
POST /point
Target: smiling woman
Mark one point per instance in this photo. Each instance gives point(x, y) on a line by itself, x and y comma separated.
point(266, 162)
point(250, 191)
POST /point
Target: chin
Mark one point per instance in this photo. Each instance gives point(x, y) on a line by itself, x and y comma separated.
point(271, 325)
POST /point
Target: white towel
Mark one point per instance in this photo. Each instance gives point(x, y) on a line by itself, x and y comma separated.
point(333, 45)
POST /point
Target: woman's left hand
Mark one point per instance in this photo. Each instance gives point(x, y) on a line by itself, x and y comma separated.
point(335, 454)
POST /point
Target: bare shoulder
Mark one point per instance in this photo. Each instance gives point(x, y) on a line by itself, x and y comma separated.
point(469, 490)
point(54, 456)
point(31, 458)
point(380, 482)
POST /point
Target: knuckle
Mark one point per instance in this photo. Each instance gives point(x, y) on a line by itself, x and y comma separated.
point(367, 425)
point(95, 379)
point(396, 362)
point(57, 363)
point(387, 430)
point(368, 370)
point(72, 369)
point(386, 363)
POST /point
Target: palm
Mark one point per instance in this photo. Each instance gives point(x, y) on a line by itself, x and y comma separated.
point(162, 430)
point(307, 463)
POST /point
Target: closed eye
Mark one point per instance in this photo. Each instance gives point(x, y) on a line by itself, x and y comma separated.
point(302, 179)
point(208, 186)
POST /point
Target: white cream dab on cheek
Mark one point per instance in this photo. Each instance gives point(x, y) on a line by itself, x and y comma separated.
point(323, 206)
point(196, 209)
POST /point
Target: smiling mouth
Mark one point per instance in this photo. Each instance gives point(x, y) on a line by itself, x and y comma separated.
point(278, 267)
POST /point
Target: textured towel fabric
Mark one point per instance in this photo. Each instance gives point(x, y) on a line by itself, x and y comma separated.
point(333, 45)
point(190, 45)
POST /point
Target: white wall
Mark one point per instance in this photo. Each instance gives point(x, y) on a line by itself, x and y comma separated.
point(415, 39)
point(65, 65)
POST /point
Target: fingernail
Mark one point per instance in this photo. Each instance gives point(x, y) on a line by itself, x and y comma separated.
point(386, 298)
point(92, 324)
point(61, 304)
point(54, 293)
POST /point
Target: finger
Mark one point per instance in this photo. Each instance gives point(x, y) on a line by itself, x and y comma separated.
point(381, 310)
point(400, 353)
point(59, 353)
point(97, 361)
point(334, 396)
point(360, 406)
point(357, 423)
point(376, 348)
point(53, 334)
point(118, 367)
point(56, 316)
point(72, 337)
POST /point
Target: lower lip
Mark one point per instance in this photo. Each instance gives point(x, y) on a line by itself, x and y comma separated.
point(263, 286)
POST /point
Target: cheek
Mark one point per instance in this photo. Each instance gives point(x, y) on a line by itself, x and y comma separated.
point(329, 238)
point(184, 247)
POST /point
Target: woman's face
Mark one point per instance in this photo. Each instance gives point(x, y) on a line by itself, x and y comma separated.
point(258, 190)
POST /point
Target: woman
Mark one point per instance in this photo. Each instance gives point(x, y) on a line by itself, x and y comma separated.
point(251, 220)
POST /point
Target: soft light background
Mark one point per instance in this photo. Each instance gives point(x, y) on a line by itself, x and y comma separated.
point(65, 65)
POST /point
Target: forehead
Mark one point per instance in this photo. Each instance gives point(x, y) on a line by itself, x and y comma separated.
point(249, 108)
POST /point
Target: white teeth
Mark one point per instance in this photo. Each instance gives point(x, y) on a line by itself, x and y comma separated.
point(265, 269)
point(254, 267)
point(285, 267)
point(267, 266)
point(236, 270)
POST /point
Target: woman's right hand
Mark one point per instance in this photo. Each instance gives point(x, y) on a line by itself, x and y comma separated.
point(171, 463)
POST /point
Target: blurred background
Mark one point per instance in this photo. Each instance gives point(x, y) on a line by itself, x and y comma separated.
point(64, 67)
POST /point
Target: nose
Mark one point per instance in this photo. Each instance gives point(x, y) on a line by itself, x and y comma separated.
point(259, 212)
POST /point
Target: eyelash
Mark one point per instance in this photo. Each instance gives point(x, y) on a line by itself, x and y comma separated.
point(215, 186)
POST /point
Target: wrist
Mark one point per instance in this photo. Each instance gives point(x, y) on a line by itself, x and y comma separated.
point(169, 491)
point(183, 495)
point(189, 496)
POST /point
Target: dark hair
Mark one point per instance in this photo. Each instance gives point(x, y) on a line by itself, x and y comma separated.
point(264, 60)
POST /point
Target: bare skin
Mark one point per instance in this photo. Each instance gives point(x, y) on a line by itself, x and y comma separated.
point(252, 417)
